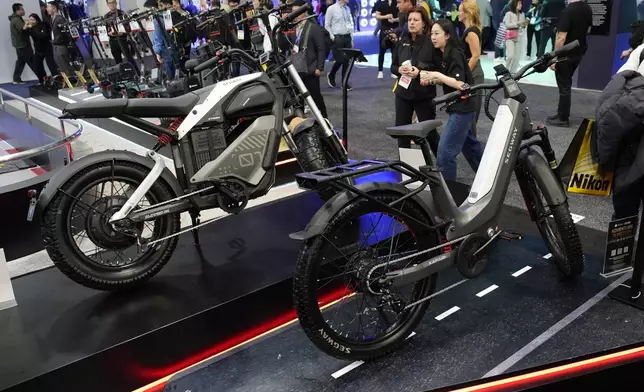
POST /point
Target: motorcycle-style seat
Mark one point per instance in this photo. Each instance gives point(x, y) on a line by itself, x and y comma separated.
point(418, 130)
point(137, 107)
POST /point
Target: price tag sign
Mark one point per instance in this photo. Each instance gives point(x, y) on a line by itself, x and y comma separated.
point(102, 34)
point(148, 23)
point(74, 32)
point(134, 27)
point(167, 20)
point(404, 81)
point(240, 34)
point(620, 244)
point(121, 28)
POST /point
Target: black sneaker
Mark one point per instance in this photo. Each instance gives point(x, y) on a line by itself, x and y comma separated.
point(18, 82)
point(349, 88)
point(557, 122)
point(330, 80)
point(553, 117)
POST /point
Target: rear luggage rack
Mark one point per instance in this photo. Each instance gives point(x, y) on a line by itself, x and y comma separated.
point(313, 179)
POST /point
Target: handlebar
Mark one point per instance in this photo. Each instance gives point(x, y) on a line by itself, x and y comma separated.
point(288, 19)
point(465, 91)
point(205, 65)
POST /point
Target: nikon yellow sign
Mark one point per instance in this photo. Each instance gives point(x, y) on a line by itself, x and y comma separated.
point(585, 178)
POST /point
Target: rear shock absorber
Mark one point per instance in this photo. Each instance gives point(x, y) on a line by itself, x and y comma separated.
point(165, 139)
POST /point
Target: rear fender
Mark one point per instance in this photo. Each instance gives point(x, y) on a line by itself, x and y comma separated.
point(324, 215)
point(63, 175)
point(550, 186)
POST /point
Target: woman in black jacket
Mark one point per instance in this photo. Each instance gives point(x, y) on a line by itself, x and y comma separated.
point(41, 34)
point(414, 52)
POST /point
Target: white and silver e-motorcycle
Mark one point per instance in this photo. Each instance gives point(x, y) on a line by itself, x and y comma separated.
point(111, 220)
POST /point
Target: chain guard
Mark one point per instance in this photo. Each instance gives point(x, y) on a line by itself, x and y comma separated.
point(468, 264)
point(232, 196)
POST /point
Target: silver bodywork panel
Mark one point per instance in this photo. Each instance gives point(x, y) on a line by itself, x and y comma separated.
point(242, 158)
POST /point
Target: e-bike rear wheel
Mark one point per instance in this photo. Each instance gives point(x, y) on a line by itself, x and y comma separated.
point(336, 283)
point(557, 229)
point(87, 248)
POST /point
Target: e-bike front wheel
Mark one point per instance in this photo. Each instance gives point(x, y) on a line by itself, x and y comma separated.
point(312, 155)
point(557, 229)
point(87, 248)
point(343, 306)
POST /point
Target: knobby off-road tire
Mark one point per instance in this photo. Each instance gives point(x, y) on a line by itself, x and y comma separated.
point(562, 238)
point(69, 259)
point(312, 156)
point(305, 285)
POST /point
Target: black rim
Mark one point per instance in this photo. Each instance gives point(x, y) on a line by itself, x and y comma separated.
point(345, 264)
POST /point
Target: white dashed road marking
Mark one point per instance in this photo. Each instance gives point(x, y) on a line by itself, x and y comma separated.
point(347, 369)
point(487, 291)
point(522, 271)
point(447, 313)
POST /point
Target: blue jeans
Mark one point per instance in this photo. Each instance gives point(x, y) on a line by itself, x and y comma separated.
point(457, 137)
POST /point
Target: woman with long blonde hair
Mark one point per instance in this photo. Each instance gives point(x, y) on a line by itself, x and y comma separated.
point(470, 15)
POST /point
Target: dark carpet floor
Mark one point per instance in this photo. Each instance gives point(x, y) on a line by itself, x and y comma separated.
point(371, 110)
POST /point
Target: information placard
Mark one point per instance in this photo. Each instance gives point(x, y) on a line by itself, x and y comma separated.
point(620, 245)
point(601, 16)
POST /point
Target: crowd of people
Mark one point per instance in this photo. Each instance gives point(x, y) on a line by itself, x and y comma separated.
point(431, 43)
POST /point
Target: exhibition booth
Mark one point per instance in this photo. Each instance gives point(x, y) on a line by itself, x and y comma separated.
point(215, 232)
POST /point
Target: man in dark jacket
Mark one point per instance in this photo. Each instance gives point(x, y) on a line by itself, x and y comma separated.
point(310, 39)
point(20, 41)
point(118, 40)
point(616, 142)
point(61, 39)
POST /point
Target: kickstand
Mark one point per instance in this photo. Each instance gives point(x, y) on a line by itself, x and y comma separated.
point(511, 235)
point(195, 232)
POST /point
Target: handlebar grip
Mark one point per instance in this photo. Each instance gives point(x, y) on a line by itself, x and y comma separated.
point(291, 17)
point(192, 64)
point(207, 64)
point(566, 48)
point(447, 97)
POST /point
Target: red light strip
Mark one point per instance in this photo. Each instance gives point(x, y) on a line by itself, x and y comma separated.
point(235, 343)
point(563, 371)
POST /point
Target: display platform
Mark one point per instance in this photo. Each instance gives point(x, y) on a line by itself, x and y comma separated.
point(64, 337)
point(519, 314)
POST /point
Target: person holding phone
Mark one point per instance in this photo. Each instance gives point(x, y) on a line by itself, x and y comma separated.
point(414, 53)
point(454, 74)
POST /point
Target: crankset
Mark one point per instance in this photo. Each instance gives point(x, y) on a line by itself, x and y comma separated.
point(232, 196)
point(471, 257)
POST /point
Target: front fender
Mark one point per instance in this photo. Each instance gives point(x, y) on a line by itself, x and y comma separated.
point(550, 185)
point(324, 215)
point(63, 175)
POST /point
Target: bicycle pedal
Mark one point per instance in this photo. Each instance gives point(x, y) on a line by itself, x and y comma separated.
point(510, 235)
point(426, 169)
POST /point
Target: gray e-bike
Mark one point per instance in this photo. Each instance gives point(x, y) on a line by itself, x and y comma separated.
point(371, 254)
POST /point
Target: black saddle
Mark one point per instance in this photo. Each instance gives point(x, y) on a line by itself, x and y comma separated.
point(418, 130)
point(137, 107)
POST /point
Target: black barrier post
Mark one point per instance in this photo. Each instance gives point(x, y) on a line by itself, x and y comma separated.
point(638, 268)
point(353, 55)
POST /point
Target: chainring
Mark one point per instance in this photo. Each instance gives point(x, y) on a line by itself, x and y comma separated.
point(467, 263)
point(232, 196)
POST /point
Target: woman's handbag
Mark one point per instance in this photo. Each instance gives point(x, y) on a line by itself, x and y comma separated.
point(512, 34)
point(499, 40)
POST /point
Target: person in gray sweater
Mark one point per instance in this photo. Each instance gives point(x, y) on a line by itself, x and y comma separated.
point(21, 42)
